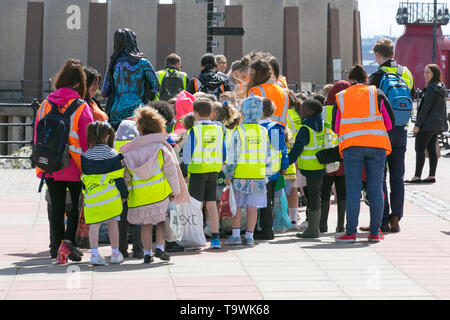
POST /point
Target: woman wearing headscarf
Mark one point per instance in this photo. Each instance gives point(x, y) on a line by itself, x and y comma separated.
point(130, 81)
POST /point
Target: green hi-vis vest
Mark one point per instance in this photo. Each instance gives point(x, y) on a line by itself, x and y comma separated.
point(102, 199)
point(251, 163)
point(208, 152)
point(327, 116)
point(294, 122)
point(143, 192)
point(308, 159)
point(119, 143)
point(162, 73)
point(406, 75)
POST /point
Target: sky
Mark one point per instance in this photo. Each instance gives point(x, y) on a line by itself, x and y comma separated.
point(378, 17)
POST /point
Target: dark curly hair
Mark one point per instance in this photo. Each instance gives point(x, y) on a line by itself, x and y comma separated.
point(164, 108)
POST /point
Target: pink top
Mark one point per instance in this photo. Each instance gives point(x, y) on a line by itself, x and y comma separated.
point(60, 98)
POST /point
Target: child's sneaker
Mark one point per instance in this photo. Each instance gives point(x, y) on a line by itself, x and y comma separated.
point(148, 258)
point(215, 243)
point(346, 238)
point(249, 241)
point(117, 258)
point(97, 261)
point(294, 226)
point(233, 241)
point(162, 255)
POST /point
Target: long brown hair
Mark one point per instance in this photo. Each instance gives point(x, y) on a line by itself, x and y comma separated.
point(437, 76)
point(263, 72)
point(97, 131)
point(71, 74)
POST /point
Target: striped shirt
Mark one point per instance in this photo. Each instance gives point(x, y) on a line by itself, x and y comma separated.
point(100, 152)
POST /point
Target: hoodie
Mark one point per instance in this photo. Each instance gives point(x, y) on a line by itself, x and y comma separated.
point(432, 111)
point(315, 123)
point(61, 97)
point(208, 76)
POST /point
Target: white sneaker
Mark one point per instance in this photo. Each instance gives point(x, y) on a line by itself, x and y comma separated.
point(97, 261)
point(304, 225)
point(294, 226)
point(117, 258)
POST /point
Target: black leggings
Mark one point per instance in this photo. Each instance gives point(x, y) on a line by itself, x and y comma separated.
point(57, 191)
point(328, 181)
point(426, 140)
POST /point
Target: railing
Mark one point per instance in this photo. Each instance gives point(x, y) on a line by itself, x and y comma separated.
point(34, 106)
point(26, 88)
point(422, 13)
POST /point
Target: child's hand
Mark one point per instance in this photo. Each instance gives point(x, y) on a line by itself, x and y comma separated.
point(124, 200)
point(171, 197)
point(227, 182)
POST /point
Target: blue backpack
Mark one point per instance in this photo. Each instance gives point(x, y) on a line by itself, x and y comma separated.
point(398, 94)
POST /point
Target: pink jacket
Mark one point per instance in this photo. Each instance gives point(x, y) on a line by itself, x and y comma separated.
point(141, 156)
point(60, 98)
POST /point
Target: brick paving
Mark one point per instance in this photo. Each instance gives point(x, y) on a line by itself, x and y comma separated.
point(412, 264)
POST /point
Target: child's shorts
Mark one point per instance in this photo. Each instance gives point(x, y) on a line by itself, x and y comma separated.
point(258, 200)
point(203, 186)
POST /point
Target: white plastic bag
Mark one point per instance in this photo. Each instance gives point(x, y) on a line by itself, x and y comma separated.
point(173, 228)
point(232, 202)
point(191, 218)
point(331, 141)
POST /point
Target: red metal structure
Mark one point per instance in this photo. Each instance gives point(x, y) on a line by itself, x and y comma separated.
point(414, 48)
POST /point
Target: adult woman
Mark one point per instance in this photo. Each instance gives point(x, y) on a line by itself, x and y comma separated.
point(92, 82)
point(130, 81)
point(70, 86)
point(430, 121)
point(363, 117)
point(260, 85)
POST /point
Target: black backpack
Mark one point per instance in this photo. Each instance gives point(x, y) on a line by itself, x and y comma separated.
point(51, 152)
point(214, 86)
point(171, 85)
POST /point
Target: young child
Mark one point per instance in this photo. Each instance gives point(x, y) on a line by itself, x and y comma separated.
point(248, 165)
point(309, 141)
point(126, 132)
point(280, 162)
point(153, 177)
point(103, 183)
point(204, 154)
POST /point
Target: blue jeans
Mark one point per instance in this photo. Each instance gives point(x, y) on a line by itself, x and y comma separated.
point(374, 160)
point(396, 165)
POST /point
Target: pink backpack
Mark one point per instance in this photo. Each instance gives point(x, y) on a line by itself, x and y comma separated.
point(183, 106)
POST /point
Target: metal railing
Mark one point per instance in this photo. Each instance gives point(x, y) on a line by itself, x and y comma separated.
point(26, 88)
point(34, 106)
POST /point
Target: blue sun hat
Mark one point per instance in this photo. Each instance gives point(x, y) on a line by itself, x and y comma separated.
point(251, 109)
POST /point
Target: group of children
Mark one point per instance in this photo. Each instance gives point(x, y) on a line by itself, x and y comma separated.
point(224, 142)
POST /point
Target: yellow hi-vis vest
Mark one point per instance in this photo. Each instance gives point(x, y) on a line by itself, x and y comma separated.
point(162, 73)
point(208, 151)
point(327, 116)
point(308, 159)
point(251, 163)
point(102, 199)
point(143, 192)
point(119, 143)
point(294, 123)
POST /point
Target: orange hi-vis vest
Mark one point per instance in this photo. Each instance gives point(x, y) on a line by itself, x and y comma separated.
point(74, 140)
point(362, 123)
point(278, 96)
point(282, 82)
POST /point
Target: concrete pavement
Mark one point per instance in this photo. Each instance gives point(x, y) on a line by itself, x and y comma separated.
point(412, 264)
